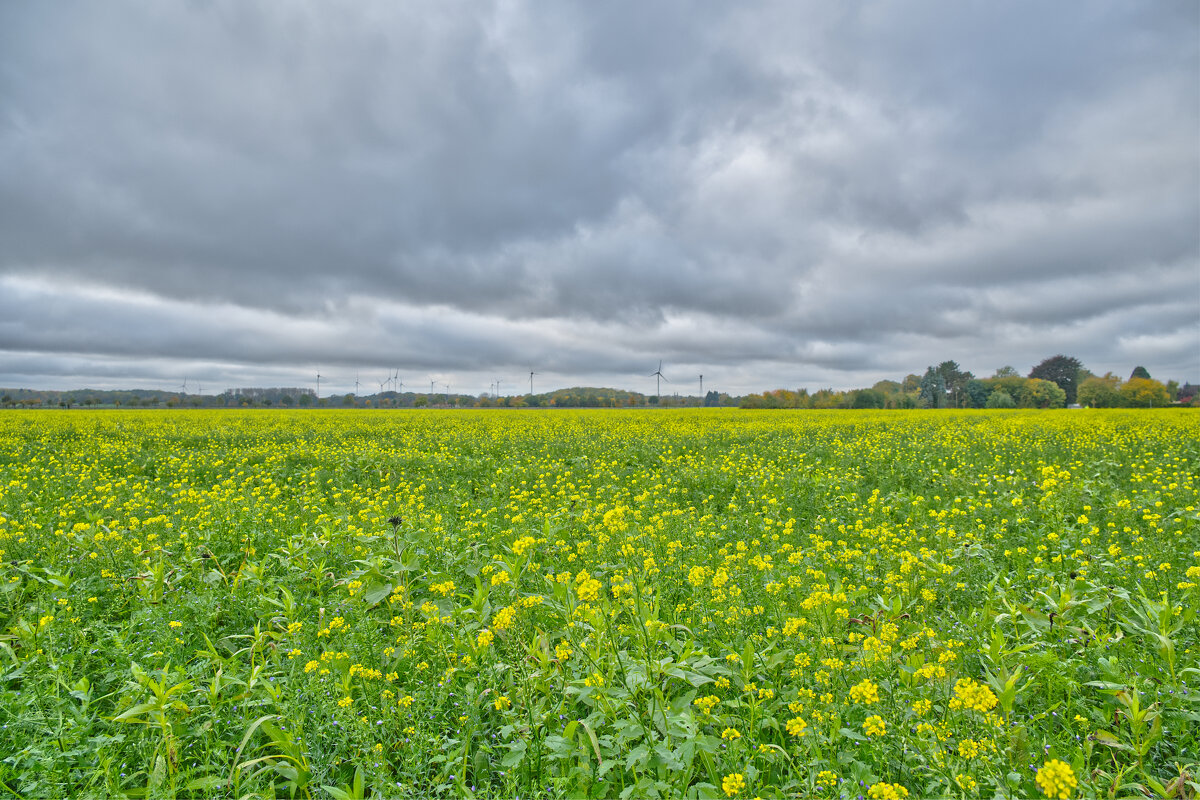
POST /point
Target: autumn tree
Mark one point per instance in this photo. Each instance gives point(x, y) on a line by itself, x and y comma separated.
point(1144, 393)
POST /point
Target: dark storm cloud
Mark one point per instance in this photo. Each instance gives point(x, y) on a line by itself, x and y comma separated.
point(773, 191)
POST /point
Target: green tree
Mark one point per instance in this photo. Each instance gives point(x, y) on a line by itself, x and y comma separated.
point(1097, 392)
point(1006, 372)
point(1000, 399)
point(1038, 393)
point(955, 380)
point(933, 389)
point(1139, 372)
point(867, 398)
point(1063, 371)
point(978, 393)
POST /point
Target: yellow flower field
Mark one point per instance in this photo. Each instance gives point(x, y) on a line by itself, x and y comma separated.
point(704, 603)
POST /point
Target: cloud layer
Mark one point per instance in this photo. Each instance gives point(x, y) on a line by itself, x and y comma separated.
point(772, 194)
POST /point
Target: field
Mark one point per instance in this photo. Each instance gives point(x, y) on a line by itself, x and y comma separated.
point(702, 603)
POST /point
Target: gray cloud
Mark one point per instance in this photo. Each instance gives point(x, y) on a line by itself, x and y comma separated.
point(771, 193)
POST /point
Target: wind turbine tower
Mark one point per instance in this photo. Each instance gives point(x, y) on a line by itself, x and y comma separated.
point(657, 374)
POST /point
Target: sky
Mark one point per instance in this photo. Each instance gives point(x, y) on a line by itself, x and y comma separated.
point(768, 194)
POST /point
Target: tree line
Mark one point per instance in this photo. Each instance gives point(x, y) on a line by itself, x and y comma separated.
point(1057, 382)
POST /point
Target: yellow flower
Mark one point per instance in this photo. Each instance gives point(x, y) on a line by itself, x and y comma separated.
point(1056, 779)
point(504, 618)
point(796, 726)
point(887, 791)
point(484, 638)
point(973, 695)
point(864, 692)
point(502, 703)
point(729, 734)
point(874, 726)
point(733, 784)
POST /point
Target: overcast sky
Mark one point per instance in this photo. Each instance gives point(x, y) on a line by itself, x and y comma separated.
point(772, 194)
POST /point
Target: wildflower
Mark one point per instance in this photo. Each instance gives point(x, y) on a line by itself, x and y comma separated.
point(827, 778)
point(589, 590)
point(502, 703)
point(1056, 779)
point(887, 791)
point(796, 726)
point(733, 784)
point(345, 702)
point(706, 704)
point(504, 618)
point(484, 638)
point(864, 692)
point(729, 734)
point(874, 726)
point(175, 624)
point(973, 695)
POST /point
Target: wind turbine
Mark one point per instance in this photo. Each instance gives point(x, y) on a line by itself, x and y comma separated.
point(356, 384)
point(497, 387)
point(660, 378)
point(702, 388)
point(184, 387)
point(318, 386)
point(531, 374)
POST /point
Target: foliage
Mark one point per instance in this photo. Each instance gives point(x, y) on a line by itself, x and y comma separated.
point(1144, 393)
point(1000, 399)
point(955, 381)
point(1097, 392)
point(689, 603)
point(1061, 370)
point(933, 389)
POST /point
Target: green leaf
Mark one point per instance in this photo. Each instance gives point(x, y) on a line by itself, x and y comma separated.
point(376, 593)
point(135, 711)
point(204, 784)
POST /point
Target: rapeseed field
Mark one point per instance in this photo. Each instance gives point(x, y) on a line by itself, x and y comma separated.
point(704, 603)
